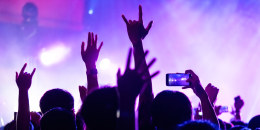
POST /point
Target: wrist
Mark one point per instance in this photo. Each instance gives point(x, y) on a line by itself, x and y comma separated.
point(92, 71)
point(91, 66)
point(237, 111)
point(204, 98)
point(23, 90)
point(137, 44)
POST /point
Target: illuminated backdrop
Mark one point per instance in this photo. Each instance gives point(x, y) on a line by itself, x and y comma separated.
point(219, 40)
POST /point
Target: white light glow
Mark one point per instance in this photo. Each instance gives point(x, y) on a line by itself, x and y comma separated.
point(90, 12)
point(2, 121)
point(105, 64)
point(54, 55)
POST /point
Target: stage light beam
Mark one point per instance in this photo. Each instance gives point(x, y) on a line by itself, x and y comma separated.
point(54, 55)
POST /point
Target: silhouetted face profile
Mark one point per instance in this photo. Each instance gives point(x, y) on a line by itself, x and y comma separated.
point(170, 108)
point(99, 109)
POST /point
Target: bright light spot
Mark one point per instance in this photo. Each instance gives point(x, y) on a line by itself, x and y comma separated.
point(2, 121)
point(104, 64)
point(183, 79)
point(117, 113)
point(54, 55)
point(90, 11)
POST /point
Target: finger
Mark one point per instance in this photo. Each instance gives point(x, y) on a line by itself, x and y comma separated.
point(217, 90)
point(22, 70)
point(85, 89)
point(140, 14)
point(155, 74)
point(152, 76)
point(92, 39)
point(89, 40)
point(189, 80)
point(95, 42)
point(149, 26)
point(190, 72)
point(100, 46)
point(128, 59)
point(33, 72)
point(209, 85)
point(16, 75)
point(151, 63)
point(185, 87)
point(146, 53)
point(123, 16)
point(118, 74)
point(82, 48)
point(82, 89)
point(130, 21)
point(148, 66)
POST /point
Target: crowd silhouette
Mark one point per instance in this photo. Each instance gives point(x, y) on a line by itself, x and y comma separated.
point(113, 108)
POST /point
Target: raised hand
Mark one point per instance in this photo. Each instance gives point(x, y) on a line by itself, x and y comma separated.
point(239, 103)
point(35, 119)
point(132, 81)
point(130, 84)
point(212, 92)
point(195, 84)
point(24, 79)
point(207, 109)
point(83, 92)
point(135, 29)
point(90, 55)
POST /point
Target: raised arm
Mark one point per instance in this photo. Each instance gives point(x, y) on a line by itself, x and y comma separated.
point(239, 103)
point(129, 86)
point(207, 109)
point(137, 33)
point(90, 56)
point(23, 81)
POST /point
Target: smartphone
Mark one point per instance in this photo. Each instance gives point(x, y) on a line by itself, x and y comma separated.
point(177, 79)
point(223, 109)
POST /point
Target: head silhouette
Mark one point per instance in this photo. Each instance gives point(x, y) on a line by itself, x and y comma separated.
point(99, 109)
point(30, 11)
point(170, 108)
point(197, 125)
point(254, 122)
point(56, 98)
point(58, 119)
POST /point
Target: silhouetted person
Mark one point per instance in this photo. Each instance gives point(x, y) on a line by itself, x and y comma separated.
point(170, 108)
point(197, 125)
point(30, 20)
point(58, 119)
point(99, 109)
point(56, 98)
point(254, 122)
